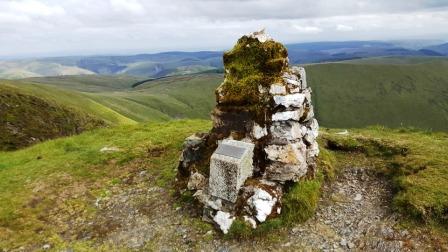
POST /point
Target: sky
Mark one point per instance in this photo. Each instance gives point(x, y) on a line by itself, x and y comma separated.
point(81, 27)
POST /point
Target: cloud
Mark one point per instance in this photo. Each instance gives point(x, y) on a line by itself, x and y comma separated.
point(307, 29)
point(344, 28)
point(54, 27)
point(132, 6)
point(36, 8)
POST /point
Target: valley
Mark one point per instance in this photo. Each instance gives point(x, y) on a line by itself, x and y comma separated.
point(389, 91)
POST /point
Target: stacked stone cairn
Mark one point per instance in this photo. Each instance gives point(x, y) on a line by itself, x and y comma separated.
point(263, 137)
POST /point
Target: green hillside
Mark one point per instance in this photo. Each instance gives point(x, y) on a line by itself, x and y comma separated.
point(88, 83)
point(26, 119)
point(394, 95)
point(186, 96)
point(74, 100)
point(394, 91)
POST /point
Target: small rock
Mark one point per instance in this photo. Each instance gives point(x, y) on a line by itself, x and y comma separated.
point(262, 202)
point(46, 247)
point(343, 242)
point(224, 220)
point(197, 181)
point(358, 197)
point(109, 149)
point(350, 245)
point(288, 244)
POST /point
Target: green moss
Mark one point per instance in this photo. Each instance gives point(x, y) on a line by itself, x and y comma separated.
point(251, 64)
point(326, 163)
point(300, 202)
point(239, 229)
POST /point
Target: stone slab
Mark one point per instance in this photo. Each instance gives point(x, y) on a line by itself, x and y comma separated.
point(230, 165)
point(230, 151)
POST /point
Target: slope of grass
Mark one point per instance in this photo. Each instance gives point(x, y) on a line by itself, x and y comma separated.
point(357, 95)
point(68, 174)
point(187, 96)
point(75, 100)
point(88, 83)
point(27, 119)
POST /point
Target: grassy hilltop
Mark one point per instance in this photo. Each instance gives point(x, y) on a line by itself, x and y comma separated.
point(50, 191)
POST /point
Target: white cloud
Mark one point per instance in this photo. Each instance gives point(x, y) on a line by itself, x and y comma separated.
point(132, 6)
point(36, 8)
point(344, 28)
point(51, 27)
point(307, 29)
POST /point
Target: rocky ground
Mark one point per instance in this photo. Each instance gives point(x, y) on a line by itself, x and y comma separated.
point(354, 214)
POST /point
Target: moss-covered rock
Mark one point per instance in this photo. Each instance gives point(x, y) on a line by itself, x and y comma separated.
point(250, 66)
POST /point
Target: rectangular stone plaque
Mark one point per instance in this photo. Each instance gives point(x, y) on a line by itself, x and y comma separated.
point(230, 151)
point(230, 166)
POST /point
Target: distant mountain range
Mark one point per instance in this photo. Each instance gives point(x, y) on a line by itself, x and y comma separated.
point(178, 63)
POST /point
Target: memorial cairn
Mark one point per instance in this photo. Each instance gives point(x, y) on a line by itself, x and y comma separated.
point(263, 137)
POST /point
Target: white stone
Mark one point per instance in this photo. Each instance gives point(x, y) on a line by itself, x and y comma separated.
point(224, 220)
point(285, 172)
point(302, 74)
point(294, 83)
point(262, 202)
point(345, 132)
point(260, 35)
point(197, 181)
point(358, 197)
point(287, 130)
point(109, 149)
point(289, 76)
point(201, 196)
point(295, 90)
point(312, 131)
point(292, 153)
point(277, 89)
point(307, 93)
point(228, 173)
point(309, 112)
point(215, 204)
point(313, 150)
point(251, 221)
point(292, 100)
point(258, 131)
point(288, 115)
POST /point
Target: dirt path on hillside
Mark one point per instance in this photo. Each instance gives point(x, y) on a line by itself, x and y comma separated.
point(354, 214)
